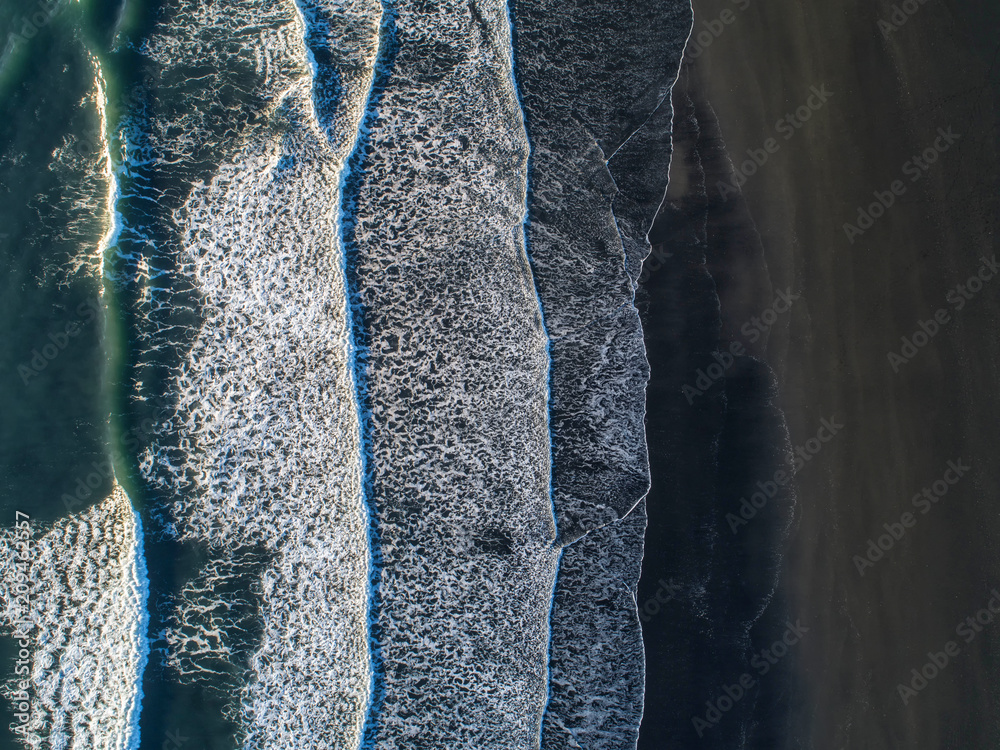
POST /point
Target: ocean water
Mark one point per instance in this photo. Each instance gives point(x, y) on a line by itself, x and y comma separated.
point(598, 114)
point(325, 389)
point(74, 594)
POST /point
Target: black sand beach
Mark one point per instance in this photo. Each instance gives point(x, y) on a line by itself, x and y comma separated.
point(850, 164)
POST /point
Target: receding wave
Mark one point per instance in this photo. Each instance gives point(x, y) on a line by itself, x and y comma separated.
point(598, 112)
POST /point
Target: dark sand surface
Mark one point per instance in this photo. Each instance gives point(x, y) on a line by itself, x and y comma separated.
point(838, 687)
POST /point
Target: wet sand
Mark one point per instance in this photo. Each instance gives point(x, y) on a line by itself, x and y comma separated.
point(859, 102)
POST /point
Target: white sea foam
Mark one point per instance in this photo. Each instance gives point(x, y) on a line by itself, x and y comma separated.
point(75, 222)
point(457, 380)
point(269, 476)
point(86, 605)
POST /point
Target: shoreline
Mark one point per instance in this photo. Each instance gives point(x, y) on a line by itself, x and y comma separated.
point(890, 94)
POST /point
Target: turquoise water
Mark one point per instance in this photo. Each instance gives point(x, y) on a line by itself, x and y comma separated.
point(67, 419)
